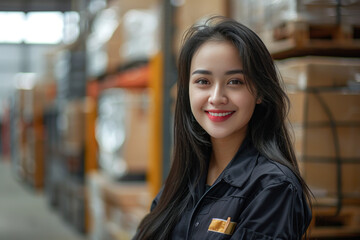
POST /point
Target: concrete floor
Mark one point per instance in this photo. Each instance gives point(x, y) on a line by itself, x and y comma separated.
point(26, 215)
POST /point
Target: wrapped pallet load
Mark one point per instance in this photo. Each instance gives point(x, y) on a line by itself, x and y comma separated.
point(325, 116)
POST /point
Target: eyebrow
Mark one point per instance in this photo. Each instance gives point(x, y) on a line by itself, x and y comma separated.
point(236, 71)
point(230, 72)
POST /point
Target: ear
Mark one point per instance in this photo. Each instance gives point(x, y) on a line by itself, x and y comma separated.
point(258, 100)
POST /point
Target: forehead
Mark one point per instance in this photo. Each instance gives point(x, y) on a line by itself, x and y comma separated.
point(217, 55)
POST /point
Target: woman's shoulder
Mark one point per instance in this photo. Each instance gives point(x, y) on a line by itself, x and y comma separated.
point(269, 172)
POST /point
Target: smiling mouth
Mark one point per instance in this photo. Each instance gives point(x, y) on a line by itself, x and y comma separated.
point(214, 114)
point(219, 116)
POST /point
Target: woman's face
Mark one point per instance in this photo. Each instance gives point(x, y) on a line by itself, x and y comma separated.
point(219, 97)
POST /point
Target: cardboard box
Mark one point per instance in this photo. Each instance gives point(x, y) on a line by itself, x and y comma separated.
point(309, 72)
point(192, 12)
point(74, 127)
point(322, 179)
point(317, 134)
point(312, 124)
point(118, 204)
point(122, 131)
point(319, 142)
point(32, 103)
point(261, 15)
point(313, 127)
point(110, 51)
point(136, 146)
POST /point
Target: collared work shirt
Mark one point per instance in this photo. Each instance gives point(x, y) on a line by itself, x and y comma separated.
point(253, 198)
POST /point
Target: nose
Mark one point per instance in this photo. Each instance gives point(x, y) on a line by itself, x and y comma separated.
point(218, 96)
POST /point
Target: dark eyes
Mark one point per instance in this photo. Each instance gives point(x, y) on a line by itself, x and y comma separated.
point(235, 82)
point(202, 81)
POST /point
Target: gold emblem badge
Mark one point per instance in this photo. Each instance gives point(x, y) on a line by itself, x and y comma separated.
point(222, 226)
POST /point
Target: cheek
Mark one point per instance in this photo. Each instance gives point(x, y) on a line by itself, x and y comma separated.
point(195, 100)
point(192, 100)
point(246, 102)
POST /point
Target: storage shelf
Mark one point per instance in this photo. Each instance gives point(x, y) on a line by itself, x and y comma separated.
point(132, 78)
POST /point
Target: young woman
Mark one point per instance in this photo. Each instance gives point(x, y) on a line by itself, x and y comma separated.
point(234, 173)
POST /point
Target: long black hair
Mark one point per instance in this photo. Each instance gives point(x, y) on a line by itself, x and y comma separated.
point(267, 128)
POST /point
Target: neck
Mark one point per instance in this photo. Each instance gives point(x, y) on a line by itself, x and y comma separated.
point(223, 151)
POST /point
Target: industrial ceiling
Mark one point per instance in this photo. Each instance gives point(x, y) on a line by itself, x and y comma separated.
point(36, 5)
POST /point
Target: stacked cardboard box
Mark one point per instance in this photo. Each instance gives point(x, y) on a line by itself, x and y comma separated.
point(298, 28)
point(106, 45)
point(125, 114)
point(325, 116)
point(192, 12)
point(32, 103)
point(116, 208)
point(262, 15)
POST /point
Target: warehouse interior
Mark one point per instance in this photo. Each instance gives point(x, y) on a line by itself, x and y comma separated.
point(87, 92)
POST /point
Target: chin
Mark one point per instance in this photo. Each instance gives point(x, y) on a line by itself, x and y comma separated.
point(218, 135)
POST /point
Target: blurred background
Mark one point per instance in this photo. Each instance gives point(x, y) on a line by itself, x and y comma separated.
point(87, 90)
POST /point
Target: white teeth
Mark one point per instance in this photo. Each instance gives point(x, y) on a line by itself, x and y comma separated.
point(219, 114)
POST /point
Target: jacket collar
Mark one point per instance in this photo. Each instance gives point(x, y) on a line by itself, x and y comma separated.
point(242, 165)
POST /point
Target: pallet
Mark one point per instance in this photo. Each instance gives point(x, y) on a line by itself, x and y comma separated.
point(326, 223)
point(297, 38)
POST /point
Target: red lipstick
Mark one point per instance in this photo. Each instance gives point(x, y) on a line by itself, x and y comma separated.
point(219, 115)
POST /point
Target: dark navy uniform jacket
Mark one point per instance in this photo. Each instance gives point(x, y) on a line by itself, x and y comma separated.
point(253, 198)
